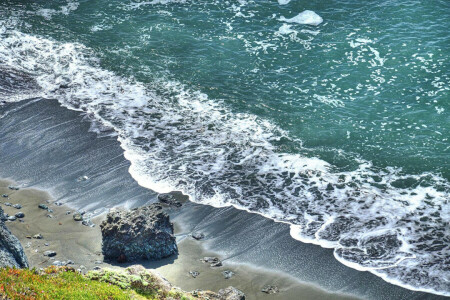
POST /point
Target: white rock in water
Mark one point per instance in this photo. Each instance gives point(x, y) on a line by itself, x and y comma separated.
point(308, 17)
point(283, 2)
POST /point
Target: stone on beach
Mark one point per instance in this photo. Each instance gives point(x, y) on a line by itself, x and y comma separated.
point(77, 217)
point(174, 199)
point(227, 274)
point(37, 236)
point(198, 236)
point(49, 253)
point(11, 251)
point(270, 289)
point(231, 293)
point(213, 261)
point(142, 233)
point(20, 215)
point(18, 206)
point(194, 273)
point(43, 206)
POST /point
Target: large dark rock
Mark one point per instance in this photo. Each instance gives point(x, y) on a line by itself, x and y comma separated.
point(11, 251)
point(142, 233)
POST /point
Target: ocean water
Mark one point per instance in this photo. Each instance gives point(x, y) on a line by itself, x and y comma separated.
point(334, 120)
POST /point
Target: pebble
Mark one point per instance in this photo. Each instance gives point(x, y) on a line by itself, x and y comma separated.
point(96, 268)
point(227, 274)
point(270, 289)
point(77, 217)
point(5, 196)
point(59, 263)
point(8, 204)
point(70, 262)
point(50, 253)
point(46, 244)
point(194, 273)
point(198, 236)
point(18, 206)
point(37, 236)
point(98, 262)
point(50, 216)
point(68, 212)
point(11, 218)
point(213, 261)
point(20, 215)
point(50, 210)
point(15, 188)
point(43, 206)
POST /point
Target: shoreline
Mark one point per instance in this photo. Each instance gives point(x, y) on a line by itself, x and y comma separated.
point(82, 244)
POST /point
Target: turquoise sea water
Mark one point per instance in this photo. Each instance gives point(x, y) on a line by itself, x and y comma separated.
point(340, 129)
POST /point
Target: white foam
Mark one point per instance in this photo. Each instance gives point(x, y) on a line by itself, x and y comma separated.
point(283, 2)
point(307, 17)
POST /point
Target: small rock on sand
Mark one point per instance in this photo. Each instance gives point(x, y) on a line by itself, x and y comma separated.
point(231, 293)
point(198, 236)
point(37, 236)
point(50, 253)
point(194, 273)
point(8, 204)
point(270, 289)
point(5, 196)
point(77, 217)
point(18, 206)
point(213, 261)
point(20, 215)
point(11, 218)
point(43, 206)
point(227, 274)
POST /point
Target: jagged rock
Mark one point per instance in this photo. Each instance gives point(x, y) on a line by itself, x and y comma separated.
point(43, 206)
point(194, 273)
point(11, 251)
point(231, 293)
point(142, 233)
point(49, 253)
point(198, 236)
point(20, 215)
point(174, 199)
point(270, 289)
point(227, 274)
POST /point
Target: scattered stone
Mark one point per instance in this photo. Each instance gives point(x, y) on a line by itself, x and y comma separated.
point(88, 223)
point(270, 289)
point(82, 212)
point(43, 206)
point(98, 262)
point(5, 195)
point(82, 178)
point(227, 274)
point(58, 203)
point(198, 236)
point(50, 216)
point(77, 217)
point(82, 267)
point(217, 264)
point(50, 210)
point(142, 233)
point(11, 218)
point(46, 244)
point(58, 263)
point(8, 204)
point(70, 262)
point(18, 206)
point(15, 188)
point(96, 268)
point(68, 212)
point(20, 215)
point(28, 236)
point(38, 236)
point(194, 273)
point(173, 199)
point(231, 293)
point(50, 253)
point(21, 221)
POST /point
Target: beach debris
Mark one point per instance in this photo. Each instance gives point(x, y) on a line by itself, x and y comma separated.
point(20, 215)
point(28, 236)
point(270, 289)
point(5, 195)
point(11, 218)
point(144, 232)
point(49, 253)
point(43, 206)
point(194, 273)
point(8, 204)
point(231, 293)
point(18, 206)
point(173, 199)
point(77, 217)
point(82, 178)
point(227, 274)
point(198, 236)
point(212, 261)
point(38, 236)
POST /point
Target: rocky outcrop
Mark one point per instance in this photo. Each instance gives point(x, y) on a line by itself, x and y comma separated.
point(11, 251)
point(142, 233)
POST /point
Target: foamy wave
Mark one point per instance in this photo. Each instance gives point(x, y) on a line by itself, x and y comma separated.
point(381, 220)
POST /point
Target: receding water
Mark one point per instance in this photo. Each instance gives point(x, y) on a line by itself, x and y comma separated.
point(340, 129)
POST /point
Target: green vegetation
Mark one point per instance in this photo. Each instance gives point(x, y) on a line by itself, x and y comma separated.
point(66, 283)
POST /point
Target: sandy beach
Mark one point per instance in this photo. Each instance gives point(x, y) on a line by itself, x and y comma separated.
point(82, 244)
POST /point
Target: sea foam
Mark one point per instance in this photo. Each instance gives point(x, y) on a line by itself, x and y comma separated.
point(307, 17)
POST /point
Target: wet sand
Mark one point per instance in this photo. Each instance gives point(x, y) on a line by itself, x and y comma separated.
point(82, 244)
